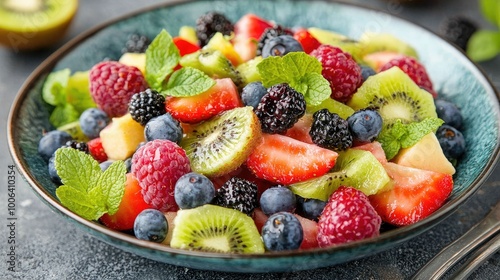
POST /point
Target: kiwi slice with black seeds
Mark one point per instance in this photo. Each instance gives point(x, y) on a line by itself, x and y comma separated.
point(34, 24)
point(221, 144)
point(395, 96)
point(214, 228)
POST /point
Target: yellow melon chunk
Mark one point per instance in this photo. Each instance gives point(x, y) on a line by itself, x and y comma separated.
point(135, 59)
point(425, 154)
point(121, 137)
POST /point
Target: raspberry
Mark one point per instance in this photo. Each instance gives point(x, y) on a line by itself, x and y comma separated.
point(96, 150)
point(348, 216)
point(112, 84)
point(158, 165)
point(270, 33)
point(239, 194)
point(209, 24)
point(280, 108)
point(341, 71)
point(146, 105)
point(330, 131)
point(414, 69)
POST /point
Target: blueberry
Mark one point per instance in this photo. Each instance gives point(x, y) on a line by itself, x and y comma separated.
point(309, 207)
point(92, 121)
point(277, 199)
point(163, 127)
point(193, 190)
point(281, 45)
point(105, 164)
point(282, 231)
point(128, 164)
point(151, 225)
point(52, 141)
point(366, 72)
point(365, 125)
point(53, 172)
point(449, 113)
point(252, 93)
point(451, 140)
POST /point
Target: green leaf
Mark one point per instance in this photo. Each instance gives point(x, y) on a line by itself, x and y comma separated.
point(298, 64)
point(162, 56)
point(54, 87)
point(79, 202)
point(491, 11)
point(188, 81)
point(271, 71)
point(63, 114)
point(417, 130)
point(318, 88)
point(484, 45)
point(112, 183)
point(390, 138)
point(77, 169)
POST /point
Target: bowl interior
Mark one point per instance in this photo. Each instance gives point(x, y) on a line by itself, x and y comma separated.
point(465, 85)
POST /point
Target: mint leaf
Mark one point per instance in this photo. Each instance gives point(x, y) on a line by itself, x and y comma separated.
point(162, 56)
point(301, 71)
point(417, 130)
point(63, 114)
point(483, 45)
point(491, 11)
point(188, 81)
point(87, 190)
point(54, 87)
point(390, 138)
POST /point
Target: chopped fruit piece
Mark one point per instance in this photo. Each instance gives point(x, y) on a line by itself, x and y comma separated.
point(221, 43)
point(121, 137)
point(413, 194)
point(188, 33)
point(221, 97)
point(378, 59)
point(300, 130)
point(426, 154)
point(248, 70)
point(96, 150)
point(310, 233)
point(247, 31)
point(377, 42)
point(131, 205)
point(170, 221)
point(308, 42)
point(284, 160)
point(184, 46)
point(333, 106)
point(134, 59)
point(259, 218)
point(376, 149)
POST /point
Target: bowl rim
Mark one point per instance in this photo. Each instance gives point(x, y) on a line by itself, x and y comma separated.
point(397, 235)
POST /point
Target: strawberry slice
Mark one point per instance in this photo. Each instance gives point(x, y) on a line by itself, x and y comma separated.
point(308, 42)
point(300, 130)
point(221, 97)
point(184, 46)
point(247, 31)
point(281, 159)
point(310, 233)
point(414, 194)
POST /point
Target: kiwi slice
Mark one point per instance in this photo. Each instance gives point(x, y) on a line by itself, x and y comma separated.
point(216, 229)
point(333, 106)
point(74, 130)
point(338, 40)
point(221, 144)
point(382, 42)
point(355, 168)
point(213, 63)
point(249, 72)
point(395, 96)
point(34, 24)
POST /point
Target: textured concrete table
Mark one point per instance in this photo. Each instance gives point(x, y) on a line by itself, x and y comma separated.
point(49, 247)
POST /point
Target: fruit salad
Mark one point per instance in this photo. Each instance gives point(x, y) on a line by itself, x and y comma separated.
point(252, 137)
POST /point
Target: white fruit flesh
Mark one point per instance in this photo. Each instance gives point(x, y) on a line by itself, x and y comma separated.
point(122, 137)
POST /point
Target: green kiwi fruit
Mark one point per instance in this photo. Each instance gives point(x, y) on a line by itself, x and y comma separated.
point(221, 144)
point(34, 24)
point(343, 42)
point(248, 70)
point(333, 106)
point(383, 42)
point(355, 168)
point(213, 63)
point(216, 229)
point(395, 96)
point(74, 129)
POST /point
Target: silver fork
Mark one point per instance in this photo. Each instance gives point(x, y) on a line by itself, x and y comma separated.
point(486, 229)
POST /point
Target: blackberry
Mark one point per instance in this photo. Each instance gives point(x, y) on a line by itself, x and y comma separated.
point(330, 131)
point(280, 108)
point(209, 24)
point(81, 146)
point(239, 194)
point(136, 43)
point(270, 33)
point(146, 105)
point(458, 30)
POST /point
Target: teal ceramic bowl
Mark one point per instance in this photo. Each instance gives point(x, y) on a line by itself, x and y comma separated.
point(455, 77)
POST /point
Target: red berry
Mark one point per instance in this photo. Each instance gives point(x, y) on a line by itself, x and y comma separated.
point(308, 42)
point(131, 205)
point(414, 69)
point(96, 150)
point(112, 84)
point(348, 216)
point(341, 71)
point(158, 165)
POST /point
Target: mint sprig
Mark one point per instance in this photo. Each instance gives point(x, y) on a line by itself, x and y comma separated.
point(400, 135)
point(301, 71)
point(485, 44)
point(162, 56)
point(86, 190)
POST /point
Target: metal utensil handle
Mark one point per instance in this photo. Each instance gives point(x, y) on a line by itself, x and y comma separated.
point(481, 255)
point(456, 250)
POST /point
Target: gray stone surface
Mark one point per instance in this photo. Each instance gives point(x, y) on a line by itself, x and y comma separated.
point(49, 247)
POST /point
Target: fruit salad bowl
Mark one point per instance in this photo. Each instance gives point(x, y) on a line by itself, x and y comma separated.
point(466, 86)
